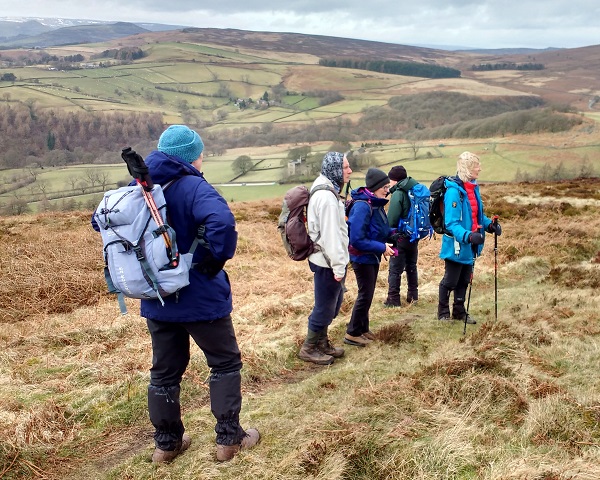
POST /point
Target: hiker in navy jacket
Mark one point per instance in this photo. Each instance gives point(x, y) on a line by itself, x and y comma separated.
point(201, 310)
point(467, 224)
point(369, 232)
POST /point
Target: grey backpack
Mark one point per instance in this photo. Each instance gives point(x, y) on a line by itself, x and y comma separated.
point(138, 263)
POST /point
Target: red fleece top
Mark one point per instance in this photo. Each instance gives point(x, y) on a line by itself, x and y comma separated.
point(470, 188)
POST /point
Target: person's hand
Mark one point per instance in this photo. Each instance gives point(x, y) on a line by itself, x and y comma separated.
point(389, 250)
point(495, 227)
point(338, 279)
point(475, 238)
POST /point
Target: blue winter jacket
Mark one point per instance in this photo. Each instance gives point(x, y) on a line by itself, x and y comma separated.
point(368, 227)
point(458, 221)
point(192, 202)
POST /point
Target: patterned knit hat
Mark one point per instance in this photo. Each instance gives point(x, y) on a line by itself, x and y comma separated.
point(376, 179)
point(182, 142)
point(332, 167)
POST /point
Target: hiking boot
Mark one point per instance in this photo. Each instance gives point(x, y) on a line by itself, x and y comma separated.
point(411, 300)
point(391, 303)
point(360, 341)
point(369, 335)
point(163, 456)
point(310, 352)
point(461, 318)
point(444, 318)
point(328, 349)
point(227, 452)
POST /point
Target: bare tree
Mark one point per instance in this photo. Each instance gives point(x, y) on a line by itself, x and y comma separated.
point(415, 147)
point(242, 164)
point(91, 175)
point(72, 181)
point(83, 186)
point(103, 178)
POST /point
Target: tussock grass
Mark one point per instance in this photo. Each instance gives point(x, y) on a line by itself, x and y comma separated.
point(516, 398)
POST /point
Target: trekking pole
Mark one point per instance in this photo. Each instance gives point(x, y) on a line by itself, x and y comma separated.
point(495, 222)
point(139, 171)
point(469, 297)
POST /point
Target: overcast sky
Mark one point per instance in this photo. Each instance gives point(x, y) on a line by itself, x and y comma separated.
point(464, 23)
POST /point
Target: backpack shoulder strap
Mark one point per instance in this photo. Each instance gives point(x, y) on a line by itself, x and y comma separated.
point(199, 238)
point(324, 186)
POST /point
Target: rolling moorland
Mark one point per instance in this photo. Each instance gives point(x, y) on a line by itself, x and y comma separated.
point(198, 76)
point(516, 397)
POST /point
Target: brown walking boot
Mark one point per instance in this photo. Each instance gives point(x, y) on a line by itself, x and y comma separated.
point(164, 456)
point(227, 452)
point(328, 349)
point(310, 352)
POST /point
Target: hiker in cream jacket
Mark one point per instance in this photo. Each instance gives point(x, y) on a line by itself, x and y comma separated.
point(327, 228)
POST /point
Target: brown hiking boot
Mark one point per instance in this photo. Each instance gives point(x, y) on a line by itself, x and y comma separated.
point(328, 349)
point(162, 456)
point(360, 341)
point(369, 335)
point(227, 452)
point(310, 352)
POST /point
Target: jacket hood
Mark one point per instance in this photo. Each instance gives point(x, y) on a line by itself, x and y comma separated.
point(405, 185)
point(164, 168)
point(363, 194)
point(455, 182)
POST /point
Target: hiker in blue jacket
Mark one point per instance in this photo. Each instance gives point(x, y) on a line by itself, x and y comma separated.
point(201, 310)
point(368, 233)
point(465, 221)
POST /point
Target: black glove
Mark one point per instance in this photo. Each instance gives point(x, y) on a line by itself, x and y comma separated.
point(209, 265)
point(494, 228)
point(393, 238)
point(475, 238)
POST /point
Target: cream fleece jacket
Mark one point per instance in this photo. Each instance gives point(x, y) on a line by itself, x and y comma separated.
point(326, 218)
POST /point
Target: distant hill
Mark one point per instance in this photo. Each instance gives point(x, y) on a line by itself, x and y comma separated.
point(31, 32)
point(76, 35)
point(506, 51)
point(11, 30)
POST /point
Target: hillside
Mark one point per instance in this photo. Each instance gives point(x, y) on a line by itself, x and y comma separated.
point(260, 93)
point(514, 398)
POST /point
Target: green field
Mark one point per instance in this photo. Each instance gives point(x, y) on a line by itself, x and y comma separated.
point(500, 162)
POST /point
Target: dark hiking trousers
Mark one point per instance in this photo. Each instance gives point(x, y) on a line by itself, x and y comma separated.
point(405, 261)
point(329, 294)
point(366, 279)
point(456, 278)
point(170, 358)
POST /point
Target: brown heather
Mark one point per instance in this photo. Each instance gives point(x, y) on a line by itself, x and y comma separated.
point(516, 398)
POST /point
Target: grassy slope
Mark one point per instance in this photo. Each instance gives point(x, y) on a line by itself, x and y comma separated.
point(513, 399)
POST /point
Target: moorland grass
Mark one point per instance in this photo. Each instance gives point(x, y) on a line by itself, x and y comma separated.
point(512, 399)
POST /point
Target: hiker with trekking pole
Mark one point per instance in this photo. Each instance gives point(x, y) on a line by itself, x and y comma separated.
point(199, 311)
point(466, 226)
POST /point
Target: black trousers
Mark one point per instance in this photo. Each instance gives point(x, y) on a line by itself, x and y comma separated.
point(366, 279)
point(456, 279)
point(170, 358)
point(406, 261)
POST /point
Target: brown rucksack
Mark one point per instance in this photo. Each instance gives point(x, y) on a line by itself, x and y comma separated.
point(292, 221)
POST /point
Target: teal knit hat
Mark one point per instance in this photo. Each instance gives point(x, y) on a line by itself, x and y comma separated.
point(182, 142)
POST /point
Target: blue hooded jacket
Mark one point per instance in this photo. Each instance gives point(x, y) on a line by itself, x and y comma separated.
point(459, 221)
point(193, 202)
point(368, 227)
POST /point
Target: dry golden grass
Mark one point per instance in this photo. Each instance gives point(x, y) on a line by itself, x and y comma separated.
point(517, 398)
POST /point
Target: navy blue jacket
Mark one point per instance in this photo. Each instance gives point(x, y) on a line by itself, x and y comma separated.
point(193, 202)
point(368, 227)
